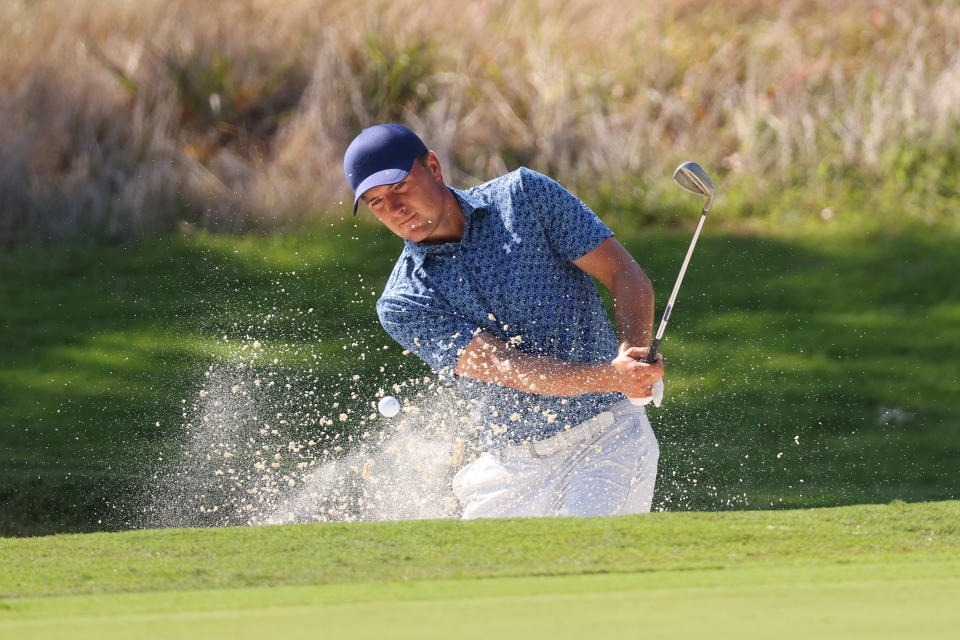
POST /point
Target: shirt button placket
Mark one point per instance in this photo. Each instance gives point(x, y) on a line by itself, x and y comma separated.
point(471, 294)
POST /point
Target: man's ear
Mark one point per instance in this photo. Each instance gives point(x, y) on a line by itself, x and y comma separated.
point(433, 165)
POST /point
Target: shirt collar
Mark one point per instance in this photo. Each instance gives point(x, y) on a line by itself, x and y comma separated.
point(472, 207)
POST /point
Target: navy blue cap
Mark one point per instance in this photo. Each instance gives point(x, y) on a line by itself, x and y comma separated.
point(382, 154)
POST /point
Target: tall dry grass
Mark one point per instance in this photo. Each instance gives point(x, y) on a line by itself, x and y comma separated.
point(124, 117)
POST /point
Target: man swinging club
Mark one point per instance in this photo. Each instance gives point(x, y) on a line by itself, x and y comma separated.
point(493, 289)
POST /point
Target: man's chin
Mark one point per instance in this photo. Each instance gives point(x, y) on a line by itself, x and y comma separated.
point(420, 233)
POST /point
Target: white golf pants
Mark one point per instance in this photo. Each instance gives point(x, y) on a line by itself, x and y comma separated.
point(606, 465)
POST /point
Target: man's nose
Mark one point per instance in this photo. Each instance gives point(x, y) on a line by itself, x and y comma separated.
point(396, 206)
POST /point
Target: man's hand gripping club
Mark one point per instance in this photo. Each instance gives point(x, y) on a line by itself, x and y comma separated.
point(641, 382)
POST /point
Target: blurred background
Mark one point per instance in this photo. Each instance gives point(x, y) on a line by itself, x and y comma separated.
point(171, 192)
point(125, 118)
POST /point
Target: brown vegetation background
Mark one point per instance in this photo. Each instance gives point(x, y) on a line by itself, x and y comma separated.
point(120, 118)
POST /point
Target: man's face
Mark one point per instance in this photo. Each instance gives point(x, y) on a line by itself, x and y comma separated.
point(411, 208)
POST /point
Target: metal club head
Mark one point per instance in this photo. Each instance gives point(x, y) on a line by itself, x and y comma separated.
point(691, 177)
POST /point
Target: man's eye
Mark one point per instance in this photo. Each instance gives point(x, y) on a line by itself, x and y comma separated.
point(400, 185)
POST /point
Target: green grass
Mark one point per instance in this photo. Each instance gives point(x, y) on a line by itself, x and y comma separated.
point(340, 553)
point(785, 357)
point(850, 571)
point(862, 603)
point(101, 344)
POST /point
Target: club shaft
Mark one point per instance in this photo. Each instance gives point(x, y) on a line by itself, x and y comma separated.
point(655, 343)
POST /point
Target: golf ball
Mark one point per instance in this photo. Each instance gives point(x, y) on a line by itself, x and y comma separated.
point(389, 406)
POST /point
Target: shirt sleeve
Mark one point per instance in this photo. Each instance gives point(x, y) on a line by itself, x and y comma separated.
point(436, 335)
point(572, 229)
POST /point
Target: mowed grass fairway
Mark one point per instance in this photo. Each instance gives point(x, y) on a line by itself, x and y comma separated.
point(863, 571)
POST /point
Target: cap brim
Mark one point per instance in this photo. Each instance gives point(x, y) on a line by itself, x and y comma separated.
point(380, 178)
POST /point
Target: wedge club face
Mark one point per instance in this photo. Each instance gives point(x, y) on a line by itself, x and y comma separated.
point(691, 177)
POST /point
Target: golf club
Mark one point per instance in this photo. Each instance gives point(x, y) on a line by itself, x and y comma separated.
point(690, 177)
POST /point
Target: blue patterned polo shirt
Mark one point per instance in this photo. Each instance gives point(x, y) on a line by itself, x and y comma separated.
point(512, 275)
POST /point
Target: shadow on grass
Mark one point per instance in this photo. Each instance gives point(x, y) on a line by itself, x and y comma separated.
point(802, 372)
point(813, 372)
point(100, 346)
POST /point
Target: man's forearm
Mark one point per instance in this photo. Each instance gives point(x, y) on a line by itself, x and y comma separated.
point(632, 291)
point(491, 360)
point(633, 306)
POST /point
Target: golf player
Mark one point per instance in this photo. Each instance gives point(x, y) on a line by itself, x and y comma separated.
point(493, 290)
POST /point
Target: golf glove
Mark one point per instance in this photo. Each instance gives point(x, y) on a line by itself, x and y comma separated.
point(656, 398)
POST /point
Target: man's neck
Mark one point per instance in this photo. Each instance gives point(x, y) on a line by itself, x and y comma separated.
point(452, 222)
